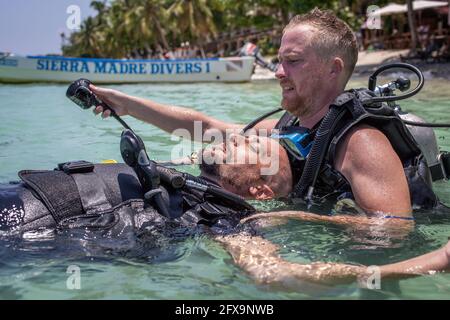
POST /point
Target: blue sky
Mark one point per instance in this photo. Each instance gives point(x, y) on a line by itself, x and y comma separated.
point(34, 26)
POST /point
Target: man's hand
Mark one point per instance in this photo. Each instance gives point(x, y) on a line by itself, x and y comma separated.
point(427, 264)
point(117, 100)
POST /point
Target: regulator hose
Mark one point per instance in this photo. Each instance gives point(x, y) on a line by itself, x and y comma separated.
point(373, 83)
point(206, 186)
point(426, 124)
point(317, 154)
point(259, 119)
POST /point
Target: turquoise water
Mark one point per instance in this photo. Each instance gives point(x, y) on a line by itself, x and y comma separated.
point(39, 128)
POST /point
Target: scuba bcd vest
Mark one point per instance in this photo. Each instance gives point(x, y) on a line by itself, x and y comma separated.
point(347, 112)
point(413, 141)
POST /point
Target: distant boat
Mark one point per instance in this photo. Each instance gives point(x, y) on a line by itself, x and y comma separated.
point(16, 69)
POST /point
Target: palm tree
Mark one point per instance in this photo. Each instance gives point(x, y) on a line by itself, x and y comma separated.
point(100, 7)
point(140, 23)
point(194, 19)
point(84, 42)
point(154, 14)
point(412, 26)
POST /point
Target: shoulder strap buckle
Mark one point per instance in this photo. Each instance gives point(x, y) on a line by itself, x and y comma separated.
point(343, 98)
point(76, 167)
point(441, 171)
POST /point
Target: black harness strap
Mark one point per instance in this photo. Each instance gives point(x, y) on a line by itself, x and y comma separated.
point(286, 119)
point(67, 193)
point(57, 190)
point(91, 189)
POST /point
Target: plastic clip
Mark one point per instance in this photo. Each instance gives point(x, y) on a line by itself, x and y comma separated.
point(76, 167)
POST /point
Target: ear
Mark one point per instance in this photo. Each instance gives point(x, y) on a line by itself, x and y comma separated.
point(263, 192)
point(337, 66)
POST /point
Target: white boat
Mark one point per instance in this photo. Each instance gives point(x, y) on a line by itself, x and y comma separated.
point(14, 69)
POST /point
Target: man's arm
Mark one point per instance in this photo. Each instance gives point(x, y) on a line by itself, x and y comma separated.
point(374, 171)
point(259, 258)
point(393, 227)
point(167, 117)
point(430, 263)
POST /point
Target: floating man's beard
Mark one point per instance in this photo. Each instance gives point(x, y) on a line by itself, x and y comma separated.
point(209, 169)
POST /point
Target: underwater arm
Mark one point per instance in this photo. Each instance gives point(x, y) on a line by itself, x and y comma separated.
point(392, 226)
point(430, 263)
point(259, 258)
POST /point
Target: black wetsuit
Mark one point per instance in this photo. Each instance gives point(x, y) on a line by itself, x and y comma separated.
point(109, 200)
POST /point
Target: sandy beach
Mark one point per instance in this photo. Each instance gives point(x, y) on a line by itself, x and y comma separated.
point(370, 61)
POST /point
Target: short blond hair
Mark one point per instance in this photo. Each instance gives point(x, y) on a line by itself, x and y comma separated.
point(334, 37)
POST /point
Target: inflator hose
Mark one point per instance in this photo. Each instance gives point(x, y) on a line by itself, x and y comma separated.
point(219, 192)
point(317, 154)
point(258, 120)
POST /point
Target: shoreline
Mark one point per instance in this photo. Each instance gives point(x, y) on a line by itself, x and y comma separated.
point(429, 70)
point(368, 62)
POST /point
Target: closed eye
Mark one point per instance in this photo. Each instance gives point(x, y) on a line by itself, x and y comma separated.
point(290, 59)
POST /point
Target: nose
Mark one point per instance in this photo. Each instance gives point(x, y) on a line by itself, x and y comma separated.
point(280, 72)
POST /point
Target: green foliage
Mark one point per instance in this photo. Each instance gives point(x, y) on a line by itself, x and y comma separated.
point(124, 26)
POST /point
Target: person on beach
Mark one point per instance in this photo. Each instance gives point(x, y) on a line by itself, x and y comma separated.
point(317, 56)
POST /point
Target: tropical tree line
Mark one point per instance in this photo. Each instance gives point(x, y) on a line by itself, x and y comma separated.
point(122, 27)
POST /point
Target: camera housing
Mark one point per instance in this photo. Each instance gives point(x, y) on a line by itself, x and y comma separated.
point(80, 94)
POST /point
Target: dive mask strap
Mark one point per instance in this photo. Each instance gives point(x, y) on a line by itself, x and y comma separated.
point(297, 141)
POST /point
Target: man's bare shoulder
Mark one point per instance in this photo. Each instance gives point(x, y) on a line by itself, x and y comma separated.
point(368, 161)
point(364, 147)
